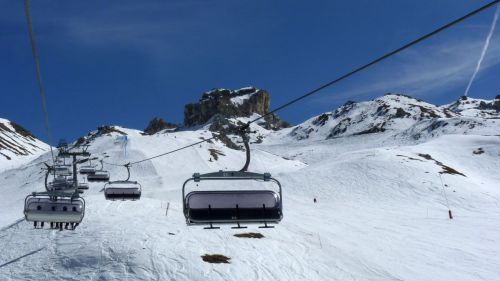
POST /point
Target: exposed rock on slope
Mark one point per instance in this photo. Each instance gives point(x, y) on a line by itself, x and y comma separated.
point(476, 107)
point(101, 130)
point(158, 124)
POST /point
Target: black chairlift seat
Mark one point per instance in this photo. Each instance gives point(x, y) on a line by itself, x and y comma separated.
point(86, 170)
point(232, 206)
point(61, 183)
point(98, 176)
point(62, 170)
point(45, 207)
point(122, 190)
point(82, 186)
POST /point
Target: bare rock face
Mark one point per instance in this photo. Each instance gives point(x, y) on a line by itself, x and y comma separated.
point(158, 124)
point(493, 105)
point(231, 103)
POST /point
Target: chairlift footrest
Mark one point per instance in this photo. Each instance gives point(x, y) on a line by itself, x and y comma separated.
point(266, 226)
point(211, 227)
point(239, 227)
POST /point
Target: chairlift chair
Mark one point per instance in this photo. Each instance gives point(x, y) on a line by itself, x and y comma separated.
point(62, 143)
point(82, 186)
point(63, 170)
point(233, 206)
point(99, 175)
point(123, 189)
point(60, 183)
point(54, 208)
point(86, 170)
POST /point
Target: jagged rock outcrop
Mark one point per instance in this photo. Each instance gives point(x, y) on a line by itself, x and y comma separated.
point(158, 124)
point(494, 105)
point(226, 103)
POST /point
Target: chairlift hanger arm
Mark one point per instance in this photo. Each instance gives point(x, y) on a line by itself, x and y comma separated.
point(128, 171)
point(244, 135)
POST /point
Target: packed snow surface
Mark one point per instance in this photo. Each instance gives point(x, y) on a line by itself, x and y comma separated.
point(381, 212)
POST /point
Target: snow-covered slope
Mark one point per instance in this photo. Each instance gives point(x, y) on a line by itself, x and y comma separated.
point(381, 213)
point(17, 145)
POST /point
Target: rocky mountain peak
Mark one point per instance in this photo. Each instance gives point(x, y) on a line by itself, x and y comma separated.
point(225, 103)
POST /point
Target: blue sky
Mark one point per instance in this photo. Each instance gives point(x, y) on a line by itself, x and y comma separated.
point(124, 62)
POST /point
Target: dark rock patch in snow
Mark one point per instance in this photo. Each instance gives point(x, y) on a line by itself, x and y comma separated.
point(217, 258)
point(215, 153)
point(255, 235)
point(401, 113)
point(446, 169)
point(377, 129)
point(408, 157)
point(478, 151)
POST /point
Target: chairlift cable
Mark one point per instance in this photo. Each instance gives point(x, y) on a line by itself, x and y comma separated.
point(112, 164)
point(38, 75)
point(172, 151)
point(345, 76)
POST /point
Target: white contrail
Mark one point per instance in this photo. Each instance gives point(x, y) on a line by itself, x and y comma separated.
point(485, 48)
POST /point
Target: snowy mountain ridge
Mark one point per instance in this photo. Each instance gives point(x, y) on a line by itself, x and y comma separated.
point(395, 114)
point(18, 145)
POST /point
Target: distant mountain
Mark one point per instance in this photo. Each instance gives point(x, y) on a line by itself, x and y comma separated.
point(476, 107)
point(401, 115)
point(18, 144)
point(221, 112)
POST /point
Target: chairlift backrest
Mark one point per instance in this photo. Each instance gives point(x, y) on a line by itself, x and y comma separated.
point(61, 183)
point(47, 209)
point(98, 176)
point(87, 169)
point(229, 199)
point(232, 206)
point(122, 190)
point(62, 170)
